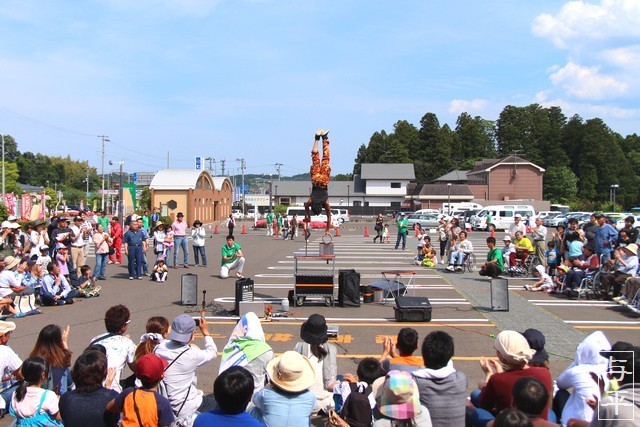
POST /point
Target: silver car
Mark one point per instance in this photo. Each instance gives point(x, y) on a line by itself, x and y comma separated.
point(424, 220)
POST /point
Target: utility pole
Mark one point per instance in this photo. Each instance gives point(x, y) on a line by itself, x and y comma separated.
point(242, 167)
point(105, 138)
point(87, 179)
point(2, 137)
point(278, 165)
point(211, 161)
point(222, 167)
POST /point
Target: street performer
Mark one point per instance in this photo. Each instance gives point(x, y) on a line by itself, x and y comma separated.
point(320, 175)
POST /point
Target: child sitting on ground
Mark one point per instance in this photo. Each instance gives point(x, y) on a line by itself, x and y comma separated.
point(31, 404)
point(160, 270)
point(543, 284)
point(369, 369)
point(559, 277)
point(85, 284)
point(385, 233)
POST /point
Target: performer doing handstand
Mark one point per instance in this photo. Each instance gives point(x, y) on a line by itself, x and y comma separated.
point(320, 175)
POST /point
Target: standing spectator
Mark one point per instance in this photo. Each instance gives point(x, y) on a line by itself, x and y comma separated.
point(52, 346)
point(231, 223)
point(247, 348)
point(179, 228)
point(61, 233)
point(402, 359)
point(378, 228)
point(494, 266)
point(116, 239)
point(517, 225)
point(489, 220)
point(232, 390)
point(145, 248)
point(442, 389)
point(401, 223)
point(103, 220)
point(86, 405)
point(38, 237)
point(144, 406)
point(398, 402)
point(232, 258)
point(168, 242)
point(198, 235)
point(145, 221)
point(78, 233)
point(184, 358)
point(287, 400)
point(63, 260)
point(87, 229)
point(278, 224)
point(321, 355)
point(158, 239)
point(55, 287)
point(590, 230)
point(270, 218)
point(31, 404)
point(120, 348)
point(10, 364)
point(443, 233)
point(101, 240)
point(155, 217)
point(606, 236)
point(539, 235)
point(293, 224)
point(134, 245)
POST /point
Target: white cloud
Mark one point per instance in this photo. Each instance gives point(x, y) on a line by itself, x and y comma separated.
point(604, 111)
point(587, 82)
point(579, 23)
point(476, 106)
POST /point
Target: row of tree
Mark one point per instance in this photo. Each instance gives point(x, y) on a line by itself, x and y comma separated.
point(582, 158)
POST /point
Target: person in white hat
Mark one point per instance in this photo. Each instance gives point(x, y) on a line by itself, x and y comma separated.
point(508, 248)
point(517, 225)
point(287, 400)
point(9, 243)
point(9, 363)
point(627, 260)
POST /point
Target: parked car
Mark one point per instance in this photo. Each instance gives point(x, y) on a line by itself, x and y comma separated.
point(237, 214)
point(341, 214)
point(424, 220)
point(546, 214)
point(555, 220)
point(636, 224)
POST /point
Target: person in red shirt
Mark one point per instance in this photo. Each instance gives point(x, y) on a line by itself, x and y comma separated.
point(496, 392)
point(116, 235)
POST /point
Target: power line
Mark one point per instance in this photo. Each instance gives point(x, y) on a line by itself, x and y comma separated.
point(19, 116)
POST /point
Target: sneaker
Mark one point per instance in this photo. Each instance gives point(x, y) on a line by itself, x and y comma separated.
point(527, 287)
point(139, 278)
point(319, 132)
point(175, 267)
point(623, 302)
point(450, 268)
point(458, 268)
point(186, 266)
point(196, 266)
point(443, 262)
point(616, 299)
point(324, 133)
point(130, 278)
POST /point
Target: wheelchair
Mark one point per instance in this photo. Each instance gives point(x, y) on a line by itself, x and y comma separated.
point(526, 267)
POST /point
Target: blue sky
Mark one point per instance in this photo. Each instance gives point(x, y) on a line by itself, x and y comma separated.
point(253, 79)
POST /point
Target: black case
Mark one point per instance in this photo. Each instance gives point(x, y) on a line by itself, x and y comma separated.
point(412, 309)
point(348, 288)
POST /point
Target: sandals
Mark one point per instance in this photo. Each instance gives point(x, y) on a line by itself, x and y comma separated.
point(239, 276)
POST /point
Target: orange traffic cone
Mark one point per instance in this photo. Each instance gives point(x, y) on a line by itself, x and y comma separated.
point(493, 232)
point(337, 231)
point(215, 230)
point(366, 231)
point(244, 229)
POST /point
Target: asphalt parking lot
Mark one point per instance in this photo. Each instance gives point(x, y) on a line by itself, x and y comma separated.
point(459, 302)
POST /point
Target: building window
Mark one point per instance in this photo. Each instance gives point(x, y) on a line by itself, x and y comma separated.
point(357, 203)
point(395, 185)
point(395, 204)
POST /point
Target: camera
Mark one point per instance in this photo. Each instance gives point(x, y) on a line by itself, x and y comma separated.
point(197, 322)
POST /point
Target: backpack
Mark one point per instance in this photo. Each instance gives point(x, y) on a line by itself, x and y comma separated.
point(356, 409)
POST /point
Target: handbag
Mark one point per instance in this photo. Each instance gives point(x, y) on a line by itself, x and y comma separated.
point(25, 304)
point(335, 420)
point(112, 250)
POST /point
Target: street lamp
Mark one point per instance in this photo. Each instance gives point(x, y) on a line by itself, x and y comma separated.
point(348, 194)
point(613, 192)
point(120, 193)
point(276, 196)
point(449, 199)
point(270, 196)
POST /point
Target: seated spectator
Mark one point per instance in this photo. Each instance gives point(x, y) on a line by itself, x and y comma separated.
point(10, 283)
point(10, 365)
point(232, 390)
point(369, 370)
point(627, 260)
point(629, 291)
point(120, 349)
point(398, 402)
point(402, 359)
point(322, 357)
point(524, 248)
point(530, 396)
point(494, 266)
point(514, 354)
point(512, 417)
point(459, 252)
point(55, 287)
point(43, 259)
point(442, 389)
point(144, 406)
point(87, 404)
point(286, 401)
point(32, 405)
point(157, 330)
point(426, 254)
point(508, 248)
point(86, 283)
point(184, 358)
point(537, 341)
point(588, 266)
point(579, 377)
point(52, 346)
point(544, 283)
point(247, 348)
point(160, 270)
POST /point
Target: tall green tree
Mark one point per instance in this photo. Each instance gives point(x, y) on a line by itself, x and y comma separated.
point(560, 184)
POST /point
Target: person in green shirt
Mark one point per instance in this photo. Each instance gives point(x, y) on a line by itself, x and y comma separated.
point(495, 263)
point(279, 222)
point(145, 221)
point(102, 219)
point(402, 224)
point(232, 258)
point(489, 220)
point(270, 223)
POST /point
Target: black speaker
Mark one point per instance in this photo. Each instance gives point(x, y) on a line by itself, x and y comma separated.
point(499, 294)
point(412, 309)
point(244, 292)
point(348, 288)
point(189, 289)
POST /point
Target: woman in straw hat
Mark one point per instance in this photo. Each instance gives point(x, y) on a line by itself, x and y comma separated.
point(286, 401)
point(514, 354)
point(398, 402)
point(322, 356)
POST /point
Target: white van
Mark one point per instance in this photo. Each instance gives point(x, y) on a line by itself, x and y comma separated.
point(461, 206)
point(299, 210)
point(502, 216)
